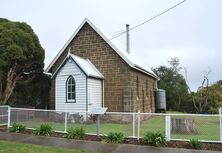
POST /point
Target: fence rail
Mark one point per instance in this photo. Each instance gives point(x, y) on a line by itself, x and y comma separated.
point(204, 127)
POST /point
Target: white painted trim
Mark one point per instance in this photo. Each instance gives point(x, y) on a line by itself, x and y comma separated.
point(167, 127)
point(9, 116)
point(100, 76)
point(103, 93)
point(220, 113)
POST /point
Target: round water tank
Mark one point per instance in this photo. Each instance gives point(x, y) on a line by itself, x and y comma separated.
point(160, 99)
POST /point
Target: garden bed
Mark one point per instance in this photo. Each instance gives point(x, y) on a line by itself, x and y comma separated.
point(134, 141)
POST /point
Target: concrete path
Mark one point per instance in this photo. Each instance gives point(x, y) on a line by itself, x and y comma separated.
point(91, 145)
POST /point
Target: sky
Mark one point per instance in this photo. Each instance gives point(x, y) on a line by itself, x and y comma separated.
point(191, 32)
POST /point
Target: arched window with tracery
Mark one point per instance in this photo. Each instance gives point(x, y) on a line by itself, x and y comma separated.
point(70, 90)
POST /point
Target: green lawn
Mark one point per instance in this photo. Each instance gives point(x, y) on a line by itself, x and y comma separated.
point(207, 127)
point(14, 147)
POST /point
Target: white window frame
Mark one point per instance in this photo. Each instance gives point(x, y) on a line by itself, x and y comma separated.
point(72, 100)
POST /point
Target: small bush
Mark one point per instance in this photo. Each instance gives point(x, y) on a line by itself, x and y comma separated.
point(114, 137)
point(44, 129)
point(212, 110)
point(17, 127)
point(155, 139)
point(195, 143)
point(77, 133)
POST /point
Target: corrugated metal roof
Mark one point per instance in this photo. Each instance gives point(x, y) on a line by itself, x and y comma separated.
point(115, 44)
point(84, 64)
point(87, 66)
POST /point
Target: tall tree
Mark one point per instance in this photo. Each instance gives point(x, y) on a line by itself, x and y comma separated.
point(208, 98)
point(200, 99)
point(21, 56)
point(36, 94)
point(174, 83)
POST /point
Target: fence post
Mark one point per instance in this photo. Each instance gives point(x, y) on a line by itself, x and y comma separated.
point(220, 115)
point(98, 125)
point(66, 122)
point(167, 127)
point(9, 115)
point(138, 126)
point(134, 125)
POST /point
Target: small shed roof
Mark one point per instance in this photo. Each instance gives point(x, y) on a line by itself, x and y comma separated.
point(84, 64)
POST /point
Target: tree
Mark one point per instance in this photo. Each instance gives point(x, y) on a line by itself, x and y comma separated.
point(208, 99)
point(21, 56)
point(200, 98)
point(36, 95)
point(174, 83)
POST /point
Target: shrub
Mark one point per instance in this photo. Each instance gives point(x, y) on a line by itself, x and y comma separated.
point(17, 127)
point(44, 129)
point(77, 133)
point(155, 139)
point(195, 143)
point(212, 110)
point(114, 137)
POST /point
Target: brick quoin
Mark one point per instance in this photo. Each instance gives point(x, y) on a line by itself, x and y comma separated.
point(125, 89)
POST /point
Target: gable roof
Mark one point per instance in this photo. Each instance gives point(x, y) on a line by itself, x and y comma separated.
point(84, 64)
point(114, 44)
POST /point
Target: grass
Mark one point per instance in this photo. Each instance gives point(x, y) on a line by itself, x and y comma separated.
point(207, 127)
point(14, 147)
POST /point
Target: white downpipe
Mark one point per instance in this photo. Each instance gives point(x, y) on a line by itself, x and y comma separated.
point(103, 95)
point(167, 127)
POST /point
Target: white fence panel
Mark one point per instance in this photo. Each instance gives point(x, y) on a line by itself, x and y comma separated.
point(4, 115)
point(32, 118)
point(184, 127)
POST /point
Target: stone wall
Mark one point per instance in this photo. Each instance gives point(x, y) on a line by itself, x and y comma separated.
point(120, 84)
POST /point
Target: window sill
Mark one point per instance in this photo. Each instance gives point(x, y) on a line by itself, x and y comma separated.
point(71, 101)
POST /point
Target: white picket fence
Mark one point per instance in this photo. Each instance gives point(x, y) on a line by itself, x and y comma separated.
point(204, 127)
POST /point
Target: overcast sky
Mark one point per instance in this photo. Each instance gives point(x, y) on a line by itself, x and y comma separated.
point(192, 31)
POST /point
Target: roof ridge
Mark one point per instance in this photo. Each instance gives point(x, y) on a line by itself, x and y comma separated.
point(114, 44)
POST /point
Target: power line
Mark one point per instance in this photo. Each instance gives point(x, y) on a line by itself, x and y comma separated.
point(167, 10)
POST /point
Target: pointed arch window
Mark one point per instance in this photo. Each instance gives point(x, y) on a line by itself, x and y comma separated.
point(70, 90)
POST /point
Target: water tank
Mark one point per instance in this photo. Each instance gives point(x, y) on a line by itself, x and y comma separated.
point(160, 100)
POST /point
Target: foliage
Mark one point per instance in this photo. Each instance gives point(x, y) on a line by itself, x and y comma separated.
point(195, 143)
point(212, 110)
point(75, 133)
point(209, 98)
point(44, 129)
point(155, 139)
point(35, 95)
point(16, 127)
point(174, 83)
point(21, 56)
point(114, 137)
